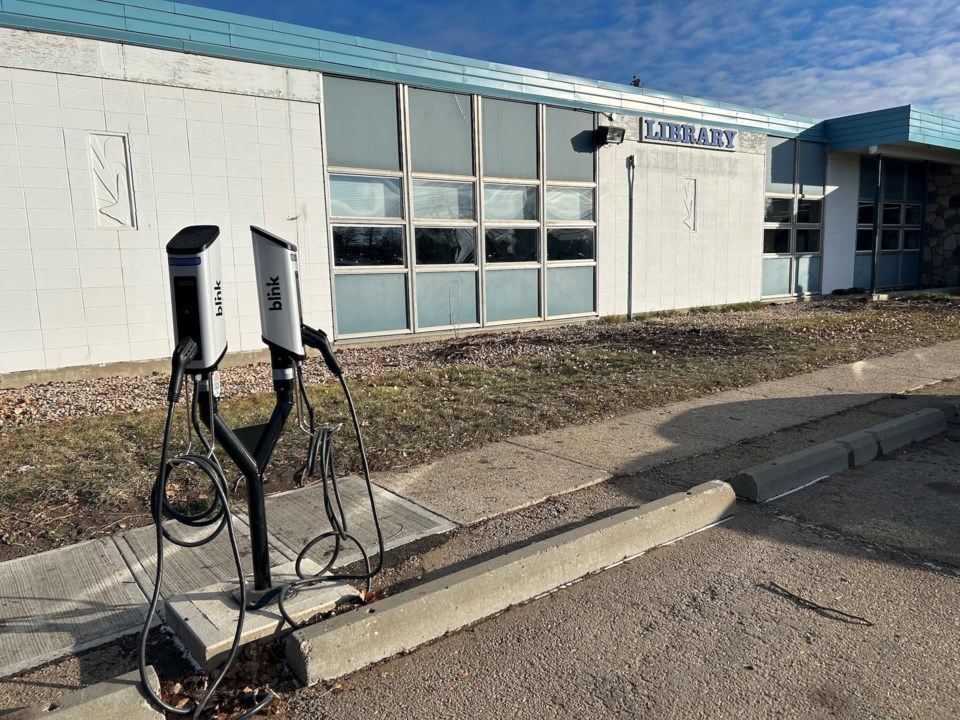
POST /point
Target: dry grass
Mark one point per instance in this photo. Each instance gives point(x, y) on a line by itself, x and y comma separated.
point(74, 480)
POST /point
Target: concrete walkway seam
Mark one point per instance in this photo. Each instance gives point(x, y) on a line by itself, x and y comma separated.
point(782, 475)
point(117, 699)
point(346, 643)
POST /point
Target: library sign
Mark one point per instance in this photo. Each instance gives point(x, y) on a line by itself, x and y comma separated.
point(671, 133)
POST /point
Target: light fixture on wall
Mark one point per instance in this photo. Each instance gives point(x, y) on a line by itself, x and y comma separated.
point(609, 135)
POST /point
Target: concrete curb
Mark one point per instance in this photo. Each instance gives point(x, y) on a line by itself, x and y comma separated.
point(349, 642)
point(769, 480)
point(117, 699)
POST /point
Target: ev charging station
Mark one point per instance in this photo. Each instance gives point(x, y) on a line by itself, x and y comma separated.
point(198, 308)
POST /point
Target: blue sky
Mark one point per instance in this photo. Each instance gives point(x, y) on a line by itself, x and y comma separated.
point(814, 58)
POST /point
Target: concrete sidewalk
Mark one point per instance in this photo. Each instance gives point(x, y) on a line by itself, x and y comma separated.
point(57, 603)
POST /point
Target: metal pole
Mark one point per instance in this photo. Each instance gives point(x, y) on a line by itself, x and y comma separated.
point(631, 171)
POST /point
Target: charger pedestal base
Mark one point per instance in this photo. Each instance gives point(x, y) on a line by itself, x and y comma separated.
point(206, 620)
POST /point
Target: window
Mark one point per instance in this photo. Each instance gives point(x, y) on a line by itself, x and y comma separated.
point(438, 200)
point(902, 189)
point(564, 203)
point(358, 196)
point(509, 139)
point(569, 145)
point(570, 244)
point(511, 245)
point(441, 132)
point(361, 124)
point(510, 202)
point(367, 245)
point(793, 216)
point(446, 246)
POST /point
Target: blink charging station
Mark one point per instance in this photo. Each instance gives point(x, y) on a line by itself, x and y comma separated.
point(198, 308)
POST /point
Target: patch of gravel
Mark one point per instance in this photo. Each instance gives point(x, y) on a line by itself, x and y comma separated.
point(54, 402)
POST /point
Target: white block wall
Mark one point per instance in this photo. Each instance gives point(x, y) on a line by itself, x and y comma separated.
point(73, 293)
point(674, 267)
point(840, 221)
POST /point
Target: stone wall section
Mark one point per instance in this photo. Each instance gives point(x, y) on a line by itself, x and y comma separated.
point(941, 254)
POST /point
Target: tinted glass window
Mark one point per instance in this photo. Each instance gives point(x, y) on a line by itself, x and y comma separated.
point(779, 210)
point(865, 213)
point(446, 246)
point(367, 245)
point(809, 211)
point(892, 213)
point(572, 244)
point(911, 239)
point(890, 240)
point(776, 241)
point(808, 240)
point(864, 240)
point(511, 245)
point(913, 215)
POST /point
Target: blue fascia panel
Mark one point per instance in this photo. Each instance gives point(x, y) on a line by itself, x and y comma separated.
point(91, 19)
point(282, 53)
point(361, 56)
point(184, 33)
point(273, 37)
point(303, 31)
point(429, 64)
point(220, 15)
point(466, 62)
point(244, 55)
point(161, 5)
point(451, 79)
point(93, 6)
point(165, 18)
point(352, 61)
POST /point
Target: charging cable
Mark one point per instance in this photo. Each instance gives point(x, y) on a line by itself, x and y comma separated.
point(209, 466)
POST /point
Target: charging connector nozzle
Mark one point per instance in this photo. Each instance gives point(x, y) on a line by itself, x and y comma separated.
point(318, 340)
point(183, 355)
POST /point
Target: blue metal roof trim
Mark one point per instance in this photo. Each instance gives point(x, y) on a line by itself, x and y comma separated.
point(191, 28)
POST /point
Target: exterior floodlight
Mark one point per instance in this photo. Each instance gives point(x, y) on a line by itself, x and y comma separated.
point(609, 135)
point(278, 284)
point(196, 290)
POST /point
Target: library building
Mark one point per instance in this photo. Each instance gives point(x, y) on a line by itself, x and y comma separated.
point(426, 193)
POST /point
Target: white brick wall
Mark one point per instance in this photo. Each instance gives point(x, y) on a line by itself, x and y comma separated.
point(77, 293)
point(840, 221)
point(674, 267)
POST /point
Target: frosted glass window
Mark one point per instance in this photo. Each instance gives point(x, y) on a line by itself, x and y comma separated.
point(447, 298)
point(441, 132)
point(570, 290)
point(570, 145)
point(779, 164)
point(512, 294)
point(439, 200)
point(509, 202)
point(371, 302)
point(446, 246)
point(361, 123)
point(569, 203)
point(775, 276)
point(367, 246)
point(354, 196)
point(572, 244)
point(509, 139)
point(812, 172)
point(808, 275)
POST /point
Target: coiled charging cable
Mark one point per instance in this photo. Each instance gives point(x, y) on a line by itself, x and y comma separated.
point(218, 511)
